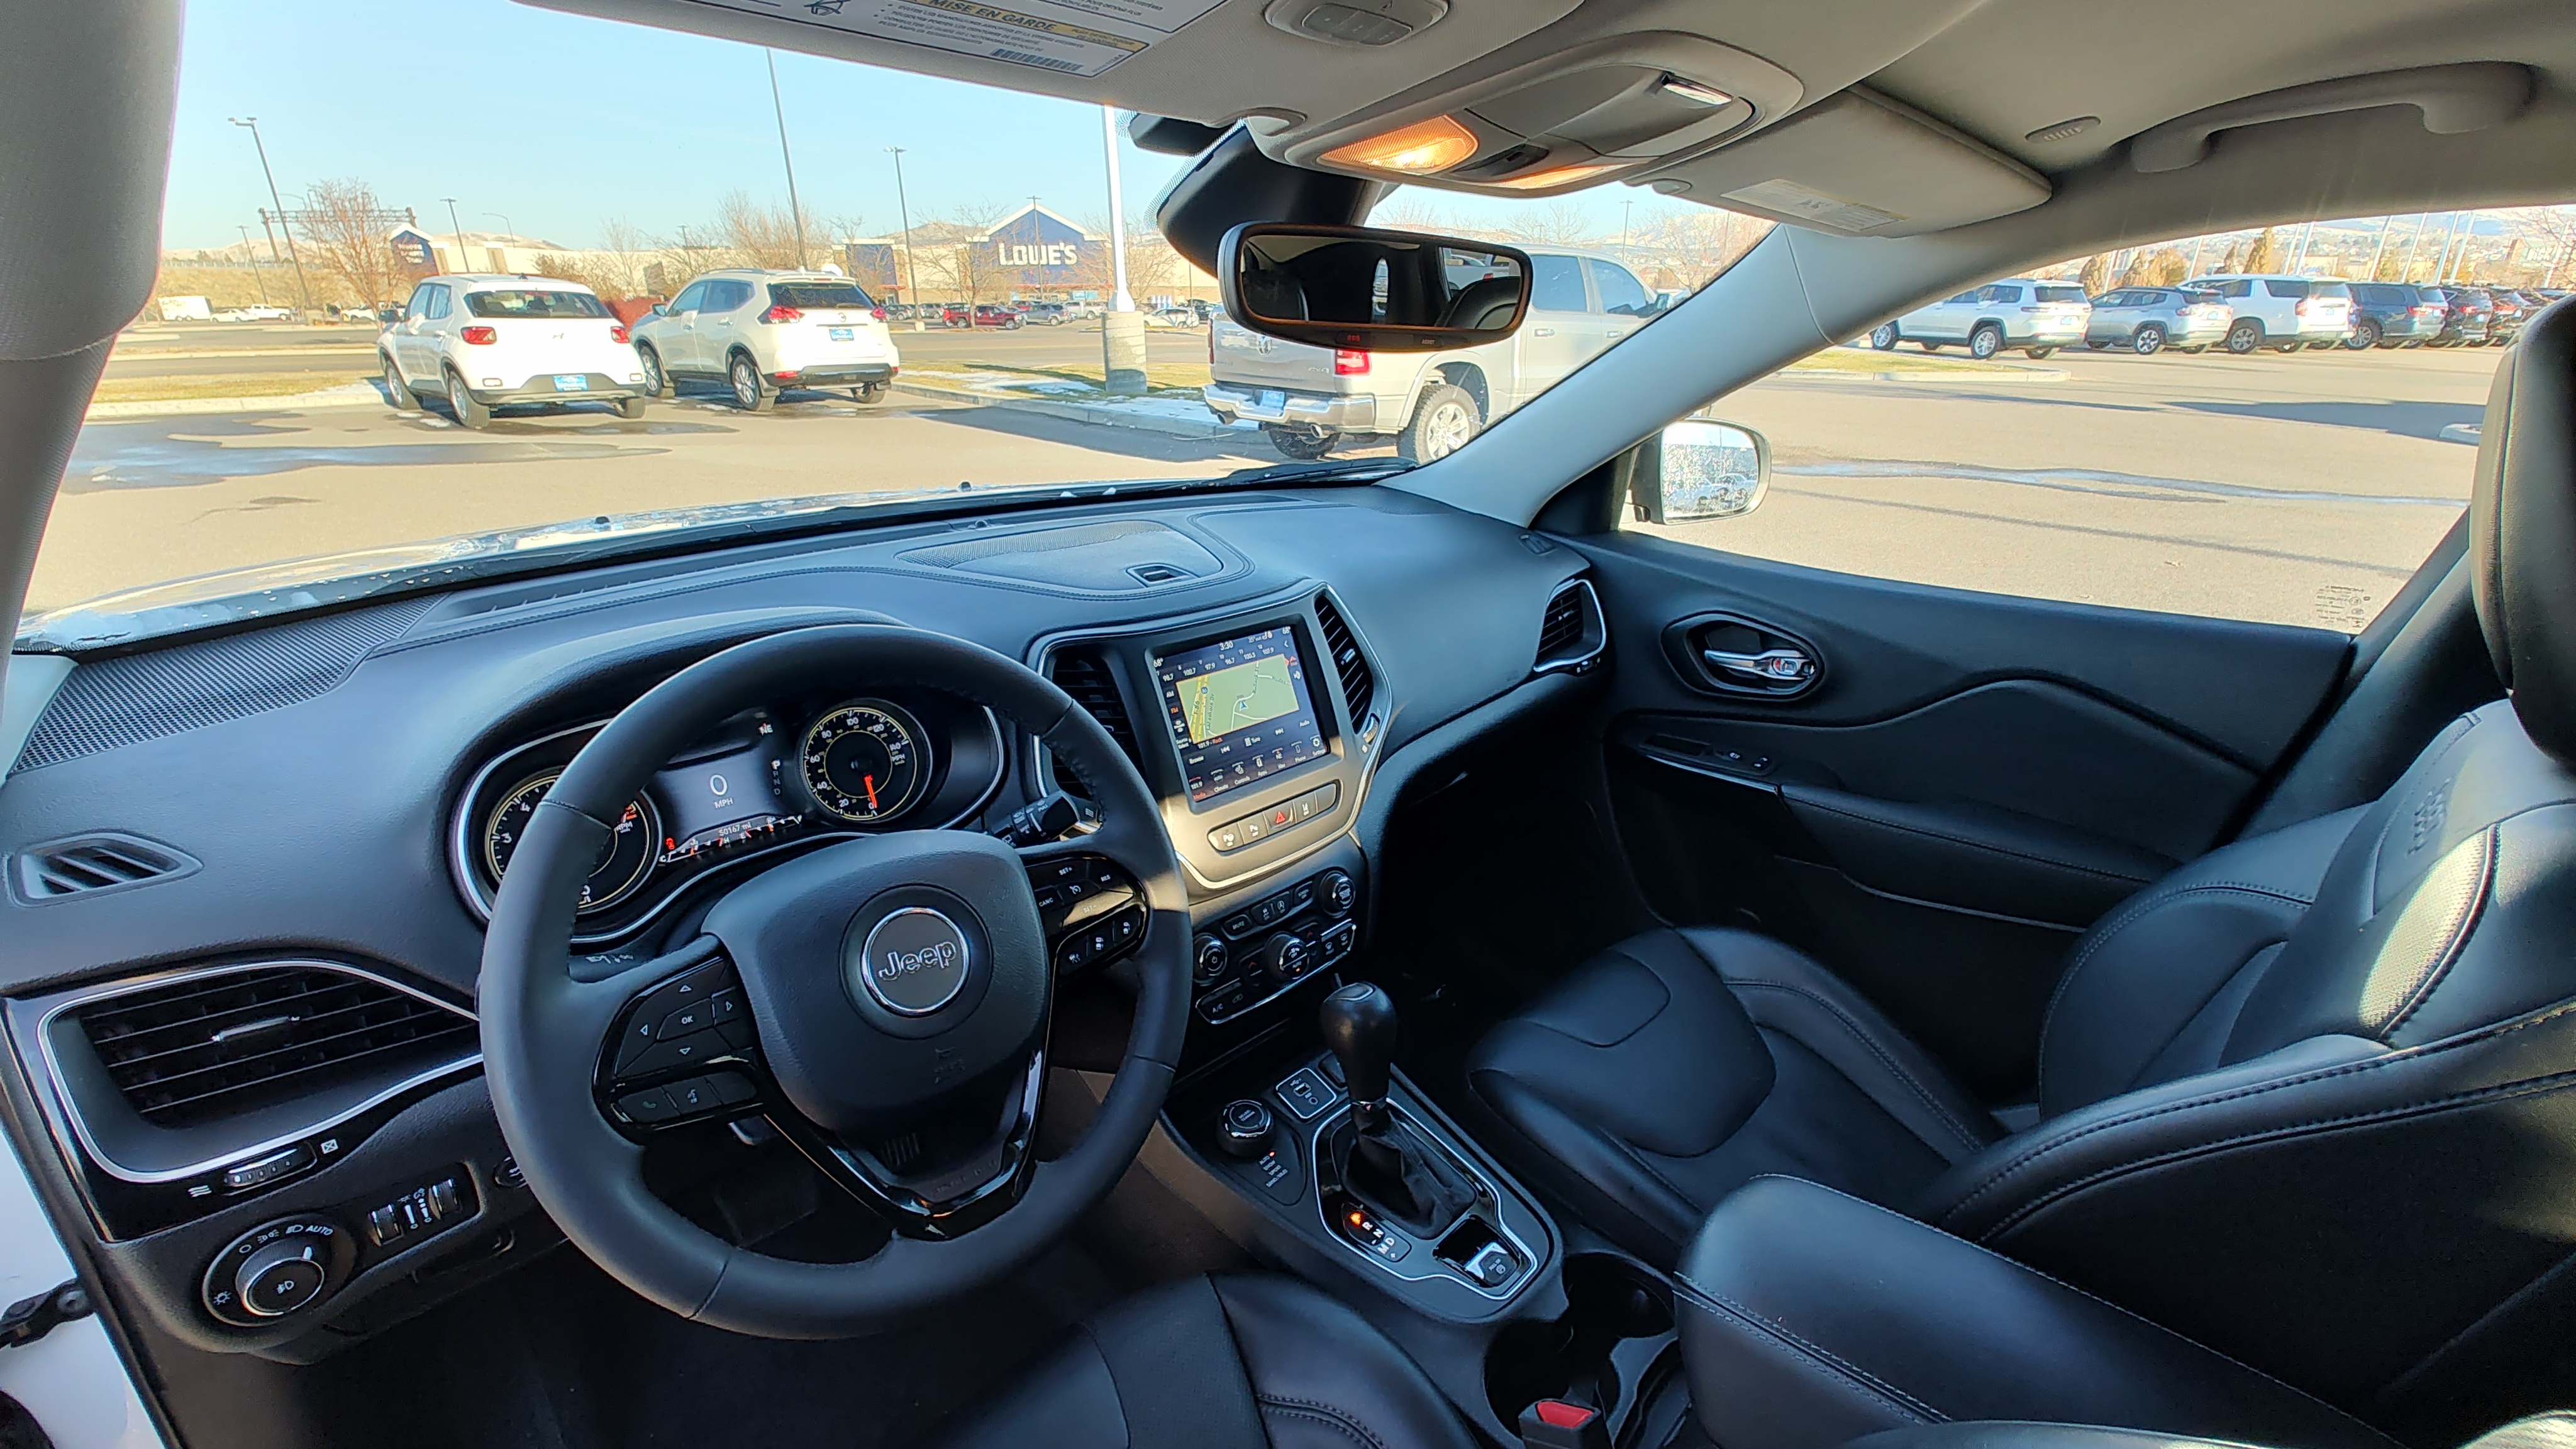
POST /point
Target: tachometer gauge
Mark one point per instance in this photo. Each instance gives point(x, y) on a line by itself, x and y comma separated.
point(622, 866)
point(864, 761)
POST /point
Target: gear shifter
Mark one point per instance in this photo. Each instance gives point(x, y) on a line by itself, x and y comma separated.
point(1385, 1162)
point(1359, 1025)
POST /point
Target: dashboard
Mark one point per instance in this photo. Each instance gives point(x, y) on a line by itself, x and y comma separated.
point(317, 812)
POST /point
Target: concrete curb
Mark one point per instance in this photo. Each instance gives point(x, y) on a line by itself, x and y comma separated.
point(2469, 433)
point(2005, 374)
point(360, 394)
point(1100, 414)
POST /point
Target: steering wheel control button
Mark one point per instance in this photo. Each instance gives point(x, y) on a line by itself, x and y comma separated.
point(670, 1055)
point(649, 1106)
point(687, 1019)
point(914, 961)
point(1308, 1094)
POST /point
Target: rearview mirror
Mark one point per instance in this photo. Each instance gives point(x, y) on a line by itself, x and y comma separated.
point(1697, 470)
point(1372, 290)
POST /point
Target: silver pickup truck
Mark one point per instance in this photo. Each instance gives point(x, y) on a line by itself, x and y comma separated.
point(1310, 400)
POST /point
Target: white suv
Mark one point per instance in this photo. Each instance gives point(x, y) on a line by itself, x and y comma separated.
point(758, 332)
point(2284, 313)
point(483, 342)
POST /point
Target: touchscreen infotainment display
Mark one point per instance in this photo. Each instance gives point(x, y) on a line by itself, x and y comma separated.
point(1239, 711)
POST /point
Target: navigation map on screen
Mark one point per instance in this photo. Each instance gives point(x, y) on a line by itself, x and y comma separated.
point(1239, 711)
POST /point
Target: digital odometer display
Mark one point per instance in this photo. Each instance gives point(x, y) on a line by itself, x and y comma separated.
point(1239, 711)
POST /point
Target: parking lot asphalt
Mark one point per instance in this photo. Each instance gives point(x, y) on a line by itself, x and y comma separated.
point(2298, 489)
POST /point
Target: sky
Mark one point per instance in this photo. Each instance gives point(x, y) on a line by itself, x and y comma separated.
point(559, 122)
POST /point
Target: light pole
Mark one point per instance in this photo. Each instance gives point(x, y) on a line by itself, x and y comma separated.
point(903, 213)
point(795, 212)
point(251, 124)
point(1122, 330)
point(1627, 210)
point(458, 228)
point(252, 257)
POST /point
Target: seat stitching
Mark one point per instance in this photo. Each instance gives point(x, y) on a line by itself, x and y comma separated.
point(2089, 1296)
point(1975, 1144)
point(1332, 1417)
point(2458, 943)
point(1971, 842)
point(2128, 916)
point(2502, 1091)
point(2397, 1057)
point(1860, 1378)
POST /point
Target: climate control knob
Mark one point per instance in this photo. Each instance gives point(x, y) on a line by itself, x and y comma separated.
point(1208, 960)
point(1284, 957)
point(284, 1276)
point(1337, 893)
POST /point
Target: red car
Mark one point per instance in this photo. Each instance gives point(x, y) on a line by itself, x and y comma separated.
point(986, 314)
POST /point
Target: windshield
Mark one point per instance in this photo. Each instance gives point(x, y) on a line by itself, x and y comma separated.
point(260, 431)
point(553, 303)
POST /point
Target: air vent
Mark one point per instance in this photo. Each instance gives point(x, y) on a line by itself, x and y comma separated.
point(1358, 685)
point(1571, 634)
point(90, 865)
point(214, 1047)
point(1080, 671)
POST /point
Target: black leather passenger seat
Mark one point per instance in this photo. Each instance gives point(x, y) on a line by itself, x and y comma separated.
point(2310, 1100)
point(1678, 1065)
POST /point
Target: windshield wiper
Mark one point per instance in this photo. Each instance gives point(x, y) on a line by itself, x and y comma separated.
point(1350, 470)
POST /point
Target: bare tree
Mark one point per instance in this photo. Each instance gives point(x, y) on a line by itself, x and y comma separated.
point(345, 235)
point(2095, 278)
point(1689, 249)
point(1559, 223)
point(758, 235)
point(1410, 209)
point(2268, 253)
point(622, 257)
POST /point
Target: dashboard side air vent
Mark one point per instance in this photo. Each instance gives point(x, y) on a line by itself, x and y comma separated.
point(1080, 670)
point(89, 865)
point(211, 1047)
point(1571, 634)
point(1359, 686)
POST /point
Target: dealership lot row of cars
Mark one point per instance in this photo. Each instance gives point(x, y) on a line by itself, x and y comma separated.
point(2236, 312)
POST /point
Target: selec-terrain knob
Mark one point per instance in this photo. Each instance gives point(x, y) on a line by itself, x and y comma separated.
point(1243, 1129)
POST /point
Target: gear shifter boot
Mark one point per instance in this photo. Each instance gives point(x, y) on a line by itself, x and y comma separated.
point(1405, 1179)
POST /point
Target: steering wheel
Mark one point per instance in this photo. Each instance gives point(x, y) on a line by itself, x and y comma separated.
point(883, 1000)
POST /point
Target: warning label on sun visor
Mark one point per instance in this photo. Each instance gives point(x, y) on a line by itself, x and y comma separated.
point(1071, 37)
point(1810, 205)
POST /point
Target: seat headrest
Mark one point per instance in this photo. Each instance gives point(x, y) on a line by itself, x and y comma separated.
point(1275, 294)
point(1483, 305)
point(2522, 528)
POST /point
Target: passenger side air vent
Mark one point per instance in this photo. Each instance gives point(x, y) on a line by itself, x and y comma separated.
point(1358, 685)
point(90, 865)
point(214, 1047)
point(1080, 671)
point(1571, 634)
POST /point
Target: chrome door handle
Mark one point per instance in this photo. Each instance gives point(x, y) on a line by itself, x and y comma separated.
point(1542, 332)
point(1771, 666)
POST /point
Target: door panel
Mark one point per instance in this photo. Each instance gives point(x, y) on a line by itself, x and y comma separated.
point(1965, 782)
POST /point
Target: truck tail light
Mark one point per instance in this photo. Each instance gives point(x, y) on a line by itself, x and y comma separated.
point(480, 336)
point(782, 313)
point(617, 333)
point(1347, 361)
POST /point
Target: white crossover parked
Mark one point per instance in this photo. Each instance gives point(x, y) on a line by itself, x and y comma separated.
point(484, 342)
point(759, 332)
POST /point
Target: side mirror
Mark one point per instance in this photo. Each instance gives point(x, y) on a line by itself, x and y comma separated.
point(1695, 470)
point(1372, 290)
point(658, 309)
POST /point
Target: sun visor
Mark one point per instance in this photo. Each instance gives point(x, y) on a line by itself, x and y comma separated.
point(1859, 164)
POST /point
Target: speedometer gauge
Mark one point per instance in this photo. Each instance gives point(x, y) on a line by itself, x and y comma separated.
point(623, 864)
point(865, 761)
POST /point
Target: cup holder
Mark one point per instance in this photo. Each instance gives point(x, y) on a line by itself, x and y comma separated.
point(1611, 1301)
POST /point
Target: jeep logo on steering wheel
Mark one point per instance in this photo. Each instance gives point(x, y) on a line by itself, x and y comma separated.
point(913, 962)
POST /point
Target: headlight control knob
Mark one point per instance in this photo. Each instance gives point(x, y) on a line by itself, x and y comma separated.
point(282, 1277)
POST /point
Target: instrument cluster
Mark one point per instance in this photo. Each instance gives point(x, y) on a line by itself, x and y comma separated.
point(767, 780)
